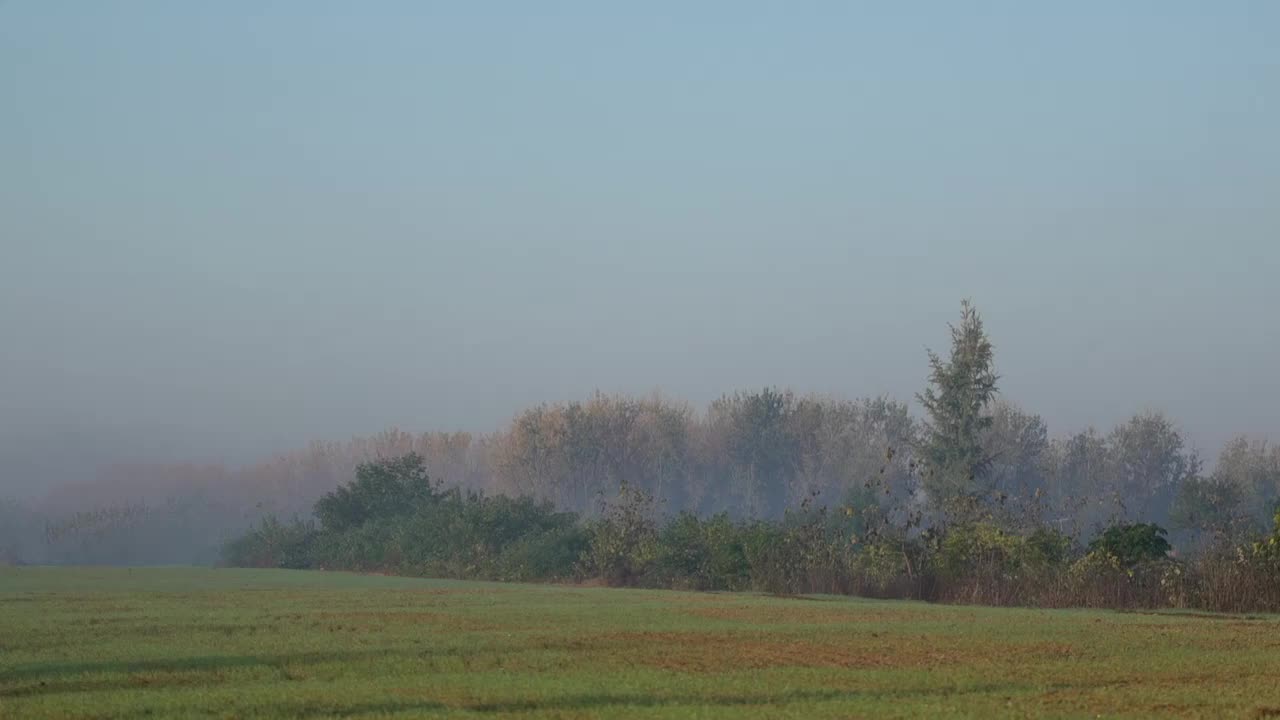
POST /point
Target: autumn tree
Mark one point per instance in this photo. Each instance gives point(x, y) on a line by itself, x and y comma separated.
point(1149, 461)
point(1253, 466)
point(1017, 448)
point(760, 449)
point(1077, 483)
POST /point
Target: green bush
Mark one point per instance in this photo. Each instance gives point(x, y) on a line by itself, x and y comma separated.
point(805, 553)
point(979, 549)
point(1133, 543)
point(624, 542)
point(1101, 579)
point(702, 554)
point(546, 555)
point(983, 563)
point(391, 518)
point(966, 550)
point(890, 567)
point(272, 544)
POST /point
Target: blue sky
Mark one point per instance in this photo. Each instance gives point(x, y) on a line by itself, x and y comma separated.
point(266, 222)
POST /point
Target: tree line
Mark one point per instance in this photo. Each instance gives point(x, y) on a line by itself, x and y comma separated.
point(800, 495)
point(750, 456)
point(393, 518)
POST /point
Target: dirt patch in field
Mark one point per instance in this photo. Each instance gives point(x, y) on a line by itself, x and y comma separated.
point(731, 651)
point(1191, 614)
point(705, 652)
point(369, 620)
point(1104, 696)
point(804, 614)
point(1219, 635)
point(460, 591)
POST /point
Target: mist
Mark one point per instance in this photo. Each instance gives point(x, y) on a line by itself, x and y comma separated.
point(226, 233)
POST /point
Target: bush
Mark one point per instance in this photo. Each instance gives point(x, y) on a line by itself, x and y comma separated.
point(272, 544)
point(700, 554)
point(891, 567)
point(1132, 544)
point(624, 542)
point(806, 553)
point(1101, 579)
point(982, 563)
point(547, 555)
point(1241, 578)
point(391, 518)
point(977, 549)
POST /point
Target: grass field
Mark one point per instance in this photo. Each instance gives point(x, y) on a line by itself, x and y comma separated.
point(190, 642)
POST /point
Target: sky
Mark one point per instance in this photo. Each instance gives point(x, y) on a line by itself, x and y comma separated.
point(229, 228)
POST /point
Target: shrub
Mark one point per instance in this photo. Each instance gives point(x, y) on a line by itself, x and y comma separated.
point(890, 567)
point(393, 518)
point(1046, 550)
point(977, 549)
point(546, 555)
point(1267, 550)
point(1101, 579)
point(983, 563)
point(1132, 544)
point(272, 544)
point(702, 554)
point(624, 542)
point(1241, 578)
point(805, 553)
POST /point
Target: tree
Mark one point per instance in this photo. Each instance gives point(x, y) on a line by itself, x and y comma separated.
point(762, 452)
point(1254, 468)
point(960, 391)
point(382, 489)
point(1150, 461)
point(842, 447)
point(1205, 505)
point(1017, 446)
point(1078, 490)
point(571, 453)
point(530, 458)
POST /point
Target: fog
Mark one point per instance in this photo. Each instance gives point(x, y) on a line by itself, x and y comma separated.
point(229, 230)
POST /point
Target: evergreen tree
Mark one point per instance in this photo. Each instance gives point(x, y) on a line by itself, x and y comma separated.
point(960, 392)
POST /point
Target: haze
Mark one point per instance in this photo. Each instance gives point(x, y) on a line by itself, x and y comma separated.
point(229, 228)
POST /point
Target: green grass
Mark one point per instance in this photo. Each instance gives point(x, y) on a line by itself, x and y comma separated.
point(188, 642)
